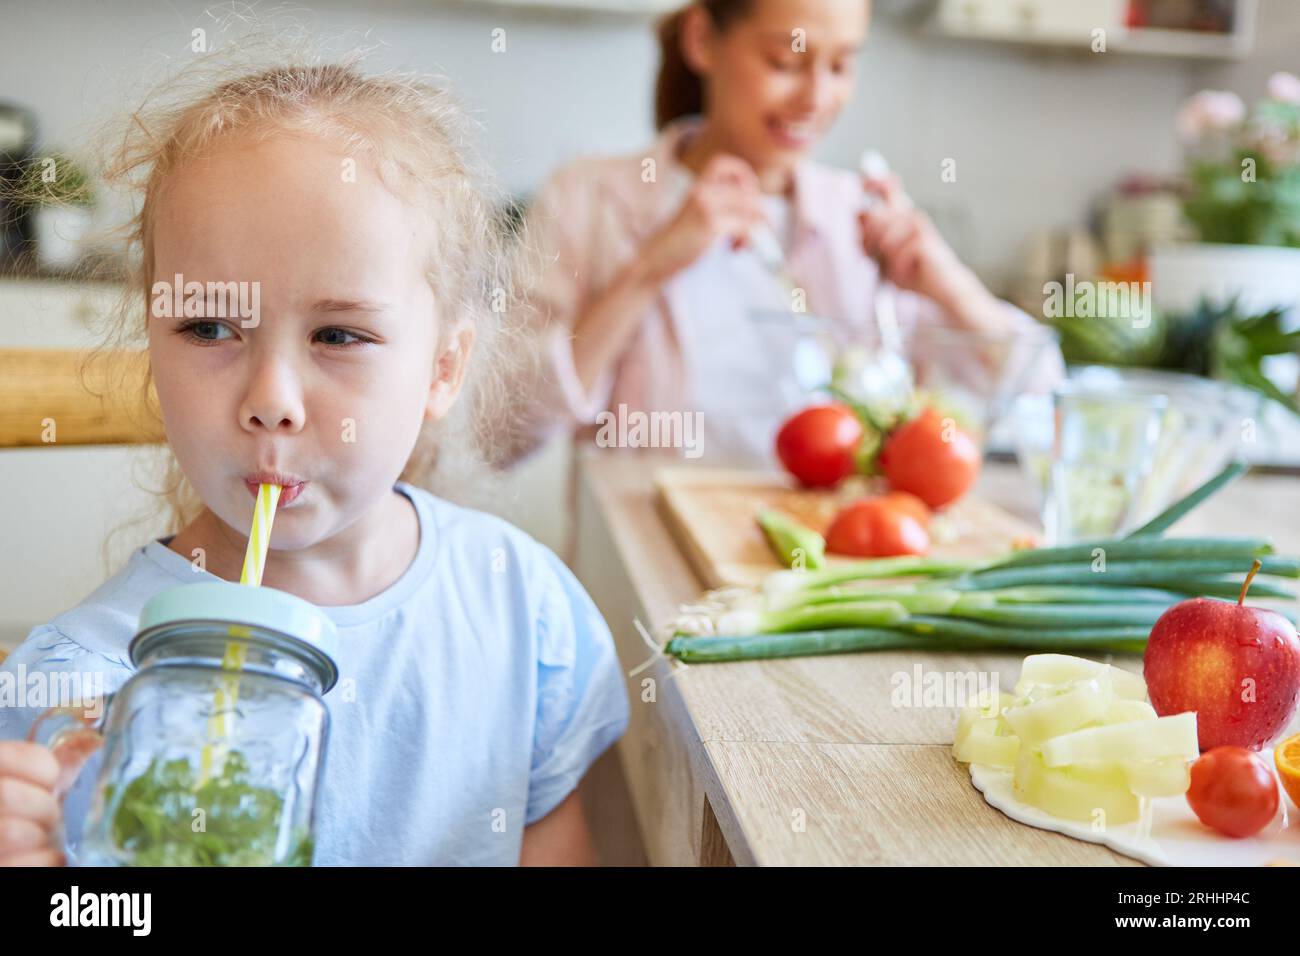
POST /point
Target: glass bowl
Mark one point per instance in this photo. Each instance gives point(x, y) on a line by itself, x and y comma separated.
point(1201, 429)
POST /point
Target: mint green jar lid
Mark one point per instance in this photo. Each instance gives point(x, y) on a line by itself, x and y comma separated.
point(307, 628)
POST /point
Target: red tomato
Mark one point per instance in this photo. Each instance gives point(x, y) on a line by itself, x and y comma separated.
point(876, 528)
point(1233, 791)
point(932, 458)
point(818, 444)
point(910, 504)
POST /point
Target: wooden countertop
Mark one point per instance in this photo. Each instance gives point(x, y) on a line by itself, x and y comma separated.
point(805, 761)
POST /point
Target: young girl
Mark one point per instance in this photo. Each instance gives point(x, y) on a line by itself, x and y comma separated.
point(485, 681)
point(653, 278)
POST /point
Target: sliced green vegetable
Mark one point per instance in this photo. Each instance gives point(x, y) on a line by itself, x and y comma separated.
point(796, 545)
point(1040, 672)
point(1172, 736)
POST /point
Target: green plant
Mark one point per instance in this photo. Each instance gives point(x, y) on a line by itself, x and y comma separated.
point(1240, 346)
point(1223, 207)
point(1243, 170)
point(1215, 340)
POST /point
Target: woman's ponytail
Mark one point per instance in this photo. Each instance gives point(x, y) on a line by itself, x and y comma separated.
point(679, 91)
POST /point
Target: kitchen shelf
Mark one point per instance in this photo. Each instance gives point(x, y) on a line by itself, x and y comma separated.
point(1036, 23)
point(1186, 43)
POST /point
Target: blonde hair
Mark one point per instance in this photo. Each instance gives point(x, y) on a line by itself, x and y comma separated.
point(420, 140)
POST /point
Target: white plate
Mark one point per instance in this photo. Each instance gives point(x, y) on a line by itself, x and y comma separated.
point(1177, 838)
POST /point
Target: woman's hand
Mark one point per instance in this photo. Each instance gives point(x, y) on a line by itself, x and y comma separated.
point(724, 201)
point(29, 810)
point(913, 256)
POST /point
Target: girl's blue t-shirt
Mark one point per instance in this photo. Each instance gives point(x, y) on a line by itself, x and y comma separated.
point(473, 695)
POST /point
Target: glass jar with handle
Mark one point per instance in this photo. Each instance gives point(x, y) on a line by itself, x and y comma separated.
point(213, 750)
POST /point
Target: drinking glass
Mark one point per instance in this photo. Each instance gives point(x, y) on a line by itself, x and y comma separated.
point(1103, 456)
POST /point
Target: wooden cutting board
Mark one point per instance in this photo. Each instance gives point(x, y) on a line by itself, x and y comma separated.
point(710, 513)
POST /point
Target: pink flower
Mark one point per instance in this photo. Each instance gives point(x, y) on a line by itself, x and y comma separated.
point(1284, 87)
point(1209, 111)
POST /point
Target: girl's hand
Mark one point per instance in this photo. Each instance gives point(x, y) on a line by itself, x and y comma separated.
point(724, 201)
point(29, 810)
point(912, 254)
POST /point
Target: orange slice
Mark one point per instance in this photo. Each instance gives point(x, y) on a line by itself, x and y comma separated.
point(1287, 757)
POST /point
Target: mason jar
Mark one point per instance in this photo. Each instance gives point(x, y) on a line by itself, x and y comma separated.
point(214, 748)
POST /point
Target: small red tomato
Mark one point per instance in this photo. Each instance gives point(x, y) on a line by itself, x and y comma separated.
point(876, 528)
point(908, 503)
point(818, 445)
point(1233, 791)
point(932, 458)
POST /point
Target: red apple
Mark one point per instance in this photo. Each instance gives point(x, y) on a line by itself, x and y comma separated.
point(1237, 667)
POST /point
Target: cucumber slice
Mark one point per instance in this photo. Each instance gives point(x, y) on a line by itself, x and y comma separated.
point(1173, 736)
point(1169, 777)
point(984, 708)
point(992, 749)
point(1052, 669)
point(984, 745)
point(1128, 711)
point(1093, 794)
point(1059, 710)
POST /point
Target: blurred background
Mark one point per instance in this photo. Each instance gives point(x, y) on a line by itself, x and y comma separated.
point(1080, 147)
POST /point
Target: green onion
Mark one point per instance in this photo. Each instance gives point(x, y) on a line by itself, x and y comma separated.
point(812, 617)
point(1070, 615)
point(1161, 522)
point(1156, 591)
point(1137, 549)
point(1226, 586)
point(696, 650)
point(1099, 638)
point(873, 569)
point(1146, 573)
point(1083, 594)
point(917, 634)
point(937, 601)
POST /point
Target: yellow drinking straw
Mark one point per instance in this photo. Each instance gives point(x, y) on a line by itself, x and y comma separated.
point(259, 541)
point(259, 536)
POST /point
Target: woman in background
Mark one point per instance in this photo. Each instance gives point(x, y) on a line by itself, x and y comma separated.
point(651, 268)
